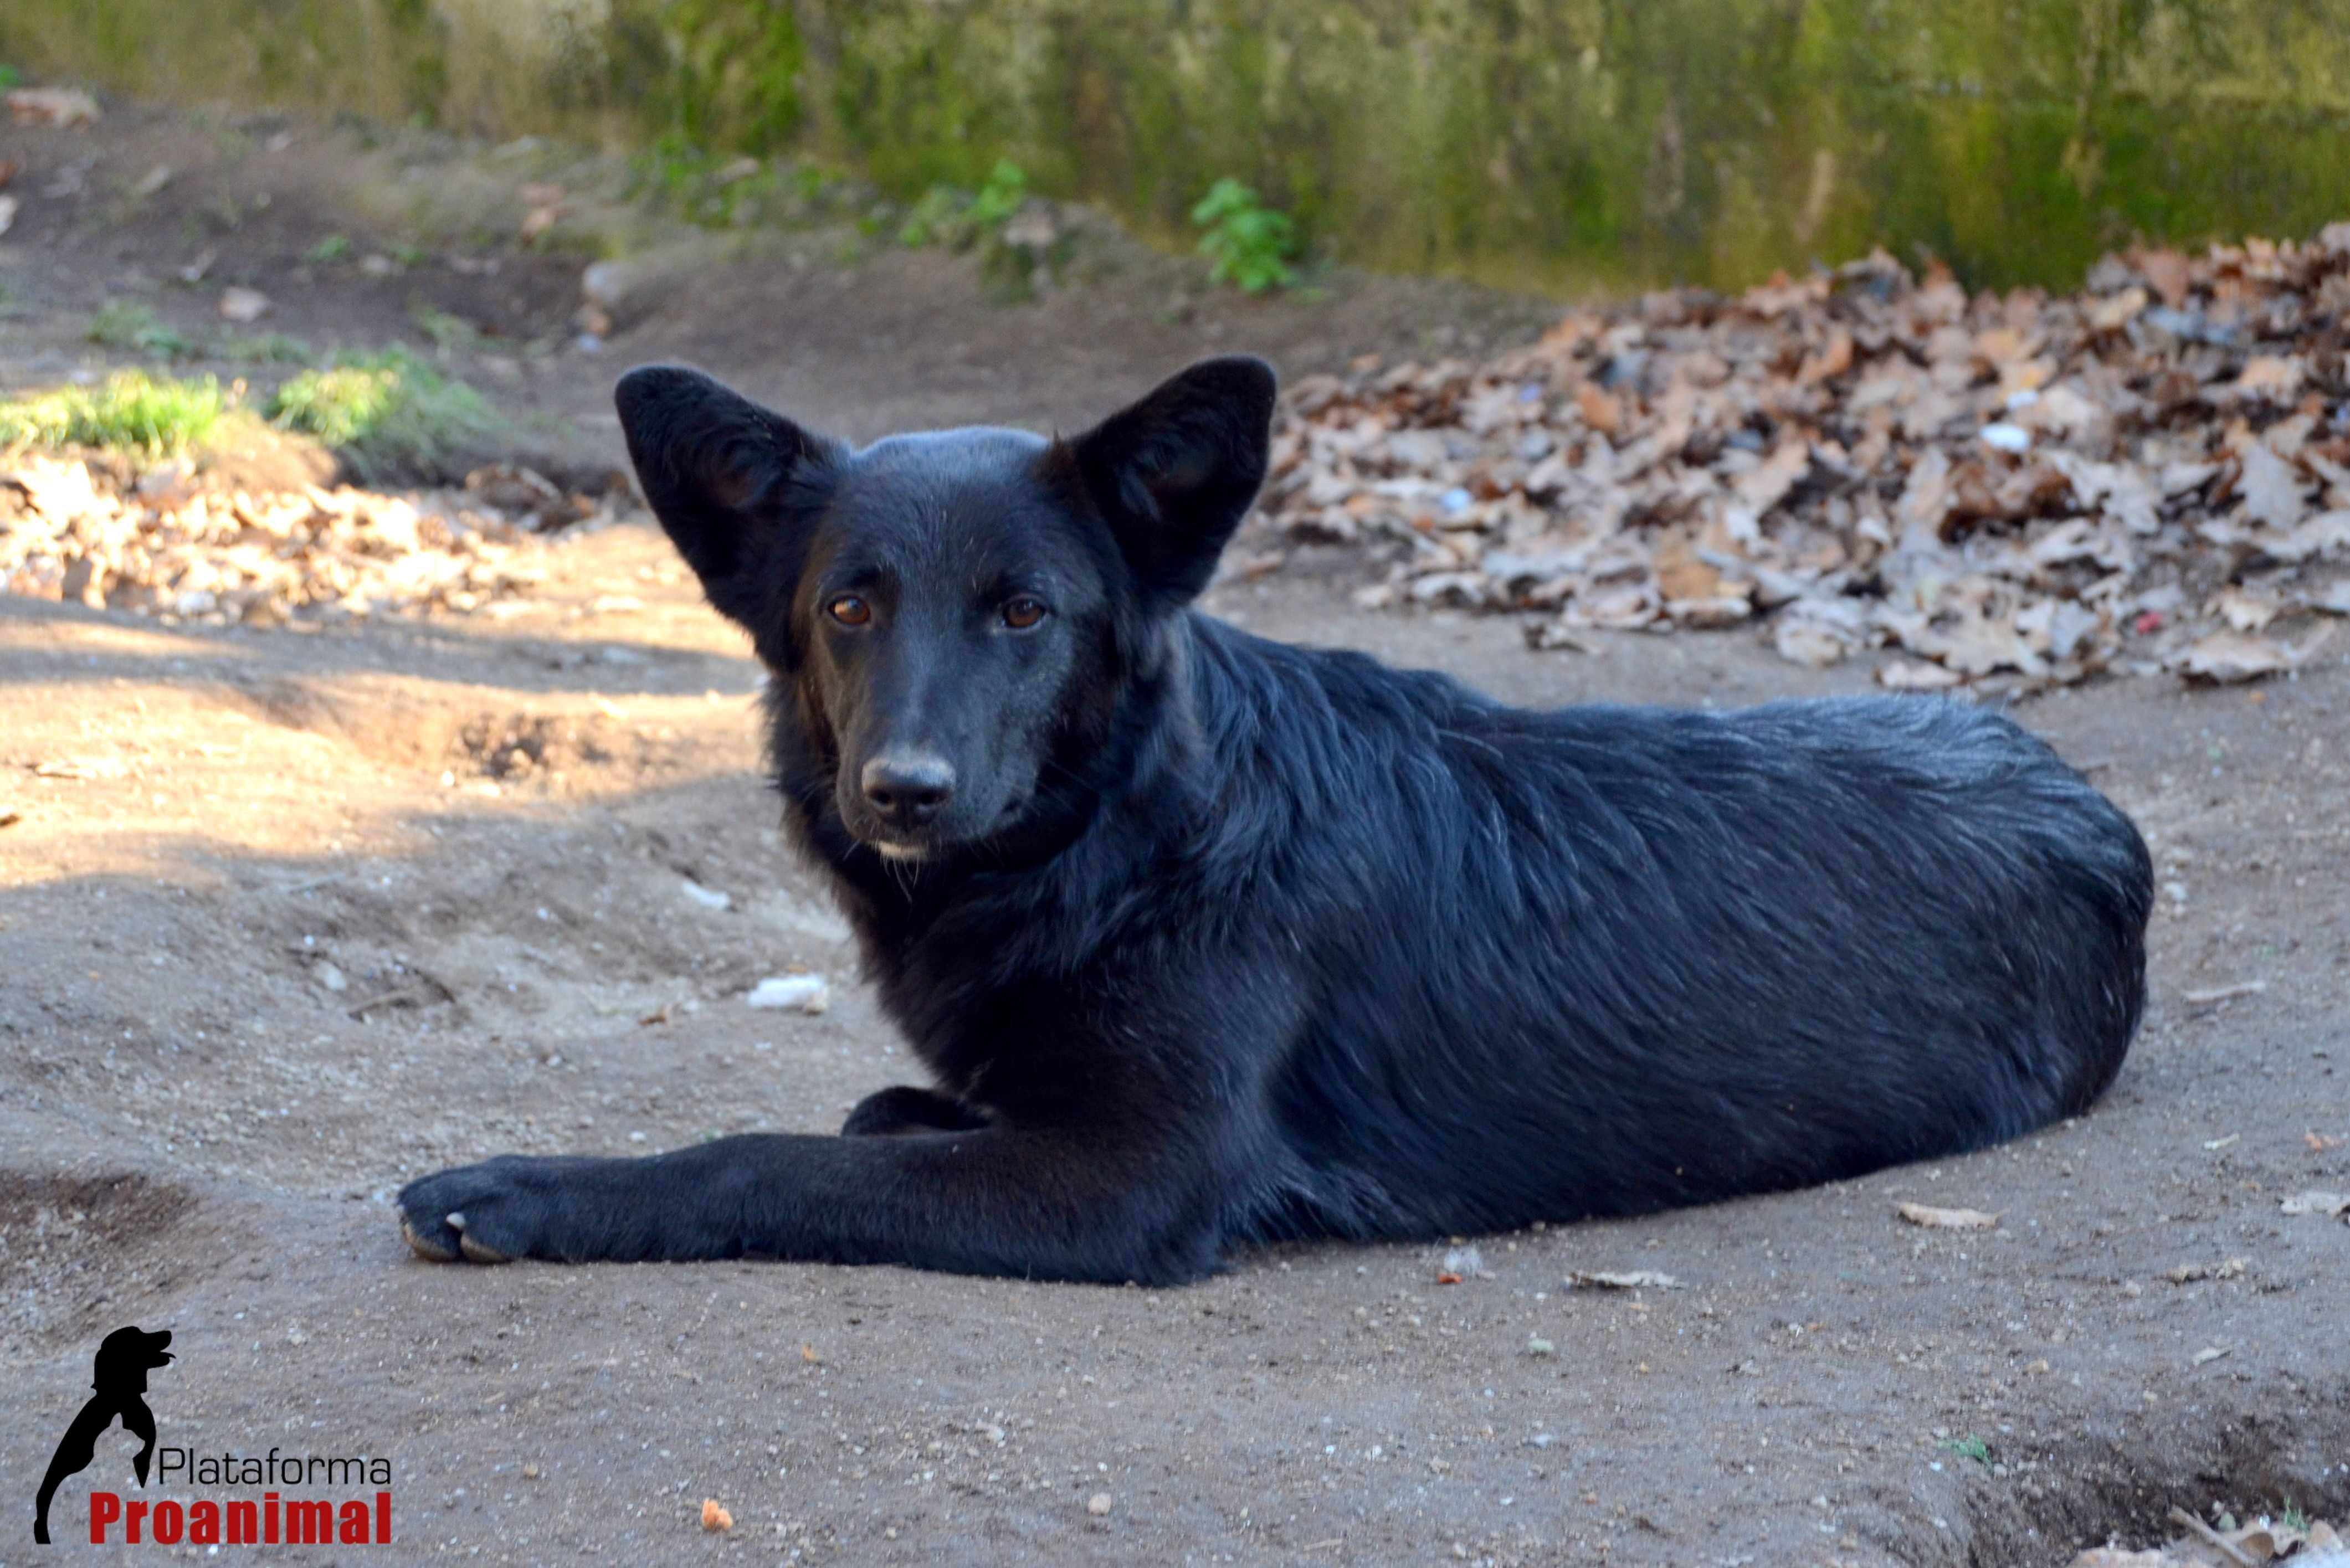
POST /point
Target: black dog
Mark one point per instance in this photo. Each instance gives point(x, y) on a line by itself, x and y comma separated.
point(1209, 939)
point(119, 1375)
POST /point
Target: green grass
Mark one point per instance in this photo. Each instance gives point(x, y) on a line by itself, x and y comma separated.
point(120, 326)
point(446, 331)
point(265, 348)
point(333, 248)
point(129, 411)
point(387, 415)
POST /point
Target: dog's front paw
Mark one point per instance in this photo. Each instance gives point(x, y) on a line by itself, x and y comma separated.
point(903, 1108)
point(510, 1206)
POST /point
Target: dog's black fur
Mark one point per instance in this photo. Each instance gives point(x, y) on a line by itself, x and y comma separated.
point(120, 1376)
point(1209, 939)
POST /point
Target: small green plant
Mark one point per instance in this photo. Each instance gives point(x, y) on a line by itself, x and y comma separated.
point(702, 188)
point(937, 218)
point(387, 415)
point(1006, 189)
point(2292, 1518)
point(1971, 1448)
point(1247, 242)
point(959, 219)
point(265, 348)
point(333, 248)
point(447, 332)
point(10, 77)
point(120, 326)
point(129, 411)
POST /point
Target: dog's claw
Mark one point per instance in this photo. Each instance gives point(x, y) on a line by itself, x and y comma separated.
point(476, 1253)
point(430, 1251)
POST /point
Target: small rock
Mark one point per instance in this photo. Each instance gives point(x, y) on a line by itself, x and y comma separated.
point(715, 1517)
point(243, 304)
point(1098, 1504)
point(711, 899)
point(807, 992)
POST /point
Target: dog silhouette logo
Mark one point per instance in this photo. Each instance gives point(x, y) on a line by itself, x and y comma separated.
point(124, 1359)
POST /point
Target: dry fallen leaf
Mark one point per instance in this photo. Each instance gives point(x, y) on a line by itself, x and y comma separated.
point(2226, 657)
point(52, 106)
point(715, 1517)
point(1946, 1218)
point(83, 768)
point(2330, 1204)
point(2225, 992)
point(2271, 489)
point(1910, 675)
point(1624, 1279)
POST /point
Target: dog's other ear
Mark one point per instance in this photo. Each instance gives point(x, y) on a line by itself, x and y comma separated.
point(730, 481)
point(1175, 473)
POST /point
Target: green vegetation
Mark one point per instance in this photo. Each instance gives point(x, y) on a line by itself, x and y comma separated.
point(129, 411)
point(1570, 145)
point(1971, 1448)
point(333, 248)
point(2292, 1517)
point(956, 219)
point(1006, 189)
point(447, 332)
point(723, 193)
point(10, 77)
point(265, 348)
point(120, 326)
point(388, 416)
point(1247, 244)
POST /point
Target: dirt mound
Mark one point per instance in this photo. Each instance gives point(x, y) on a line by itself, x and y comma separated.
point(78, 1246)
point(2152, 474)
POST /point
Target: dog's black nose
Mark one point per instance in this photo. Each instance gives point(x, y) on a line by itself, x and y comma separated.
point(908, 788)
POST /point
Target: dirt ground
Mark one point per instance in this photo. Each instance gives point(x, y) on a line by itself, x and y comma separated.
point(330, 909)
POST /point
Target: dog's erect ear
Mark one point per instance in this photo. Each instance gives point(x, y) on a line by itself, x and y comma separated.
point(730, 481)
point(1175, 473)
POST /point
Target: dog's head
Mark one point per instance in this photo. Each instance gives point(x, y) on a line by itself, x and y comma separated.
point(950, 615)
point(127, 1354)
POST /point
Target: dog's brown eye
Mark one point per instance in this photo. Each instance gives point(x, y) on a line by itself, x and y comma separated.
point(849, 610)
point(1023, 612)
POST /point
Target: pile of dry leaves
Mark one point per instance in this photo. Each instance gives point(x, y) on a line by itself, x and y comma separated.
point(167, 545)
point(2154, 473)
point(2301, 1543)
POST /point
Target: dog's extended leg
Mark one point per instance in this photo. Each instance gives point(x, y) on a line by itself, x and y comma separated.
point(1114, 1205)
point(904, 1108)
